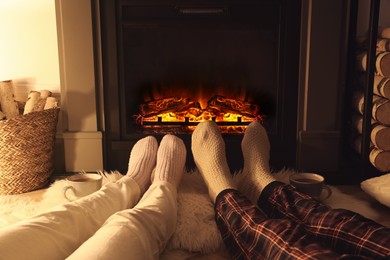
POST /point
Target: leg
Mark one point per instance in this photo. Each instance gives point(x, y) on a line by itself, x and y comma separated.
point(56, 234)
point(248, 234)
point(344, 231)
point(245, 230)
point(143, 231)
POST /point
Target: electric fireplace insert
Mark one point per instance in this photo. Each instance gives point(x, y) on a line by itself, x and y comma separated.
point(168, 65)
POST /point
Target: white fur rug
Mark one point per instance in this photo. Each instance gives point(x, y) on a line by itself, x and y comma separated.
point(196, 230)
point(195, 211)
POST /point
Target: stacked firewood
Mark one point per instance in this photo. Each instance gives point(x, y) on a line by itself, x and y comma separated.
point(380, 122)
point(36, 101)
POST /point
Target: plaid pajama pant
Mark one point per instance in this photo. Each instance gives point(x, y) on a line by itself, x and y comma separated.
point(295, 227)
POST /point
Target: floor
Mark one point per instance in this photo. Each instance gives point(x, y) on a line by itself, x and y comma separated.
point(350, 197)
point(353, 198)
point(345, 196)
point(34, 195)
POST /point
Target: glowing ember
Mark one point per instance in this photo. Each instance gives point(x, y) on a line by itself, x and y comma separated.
point(231, 115)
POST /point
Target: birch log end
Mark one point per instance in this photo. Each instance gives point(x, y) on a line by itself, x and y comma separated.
point(381, 110)
point(383, 64)
point(45, 93)
point(51, 102)
point(2, 116)
point(380, 136)
point(357, 122)
point(380, 107)
point(381, 86)
point(7, 101)
point(385, 33)
point(32, 100)
point(383, 45)
point(380, 159)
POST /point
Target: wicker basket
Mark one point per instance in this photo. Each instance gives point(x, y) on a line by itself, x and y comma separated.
point(27, 151)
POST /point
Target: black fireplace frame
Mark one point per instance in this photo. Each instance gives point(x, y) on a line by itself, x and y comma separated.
point(118, 144)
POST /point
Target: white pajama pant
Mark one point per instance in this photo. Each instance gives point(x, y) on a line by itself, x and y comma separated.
point(103, 225)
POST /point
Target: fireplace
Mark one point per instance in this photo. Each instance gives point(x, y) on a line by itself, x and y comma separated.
point(233, 62)
point(305, 125)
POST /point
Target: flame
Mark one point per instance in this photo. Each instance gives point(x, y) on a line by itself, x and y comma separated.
point(199, 92)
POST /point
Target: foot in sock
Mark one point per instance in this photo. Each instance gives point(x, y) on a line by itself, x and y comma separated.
point(208, 149)
point(142, 161)
point(171, 157)
point(256, 173)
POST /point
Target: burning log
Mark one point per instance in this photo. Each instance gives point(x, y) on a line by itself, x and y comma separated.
point(168, 105)
point(220, 105)
point(230, 114)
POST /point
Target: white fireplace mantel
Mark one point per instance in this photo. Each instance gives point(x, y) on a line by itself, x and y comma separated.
point(81, 132)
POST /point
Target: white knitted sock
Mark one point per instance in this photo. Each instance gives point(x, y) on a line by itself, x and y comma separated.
point(208, 149)
point(142, 161)
point(256, 173)
point(171, 158)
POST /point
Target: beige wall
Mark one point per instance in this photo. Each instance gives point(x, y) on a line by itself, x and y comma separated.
point(29, 53)
point(28, 45)
point(38, 51)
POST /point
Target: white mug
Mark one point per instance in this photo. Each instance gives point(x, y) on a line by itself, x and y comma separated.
point(81, 185)
point(311, 184)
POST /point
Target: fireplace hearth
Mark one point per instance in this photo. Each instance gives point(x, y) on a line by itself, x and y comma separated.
point(233, 62)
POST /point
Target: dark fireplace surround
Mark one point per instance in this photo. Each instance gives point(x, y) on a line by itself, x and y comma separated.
point(211, 47)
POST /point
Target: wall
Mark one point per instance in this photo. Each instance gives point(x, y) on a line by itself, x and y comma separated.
point(323, 104)
point(33, 58)
point(323, 73)
point(364, 13)
point(29, 52)
point(28, 48)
